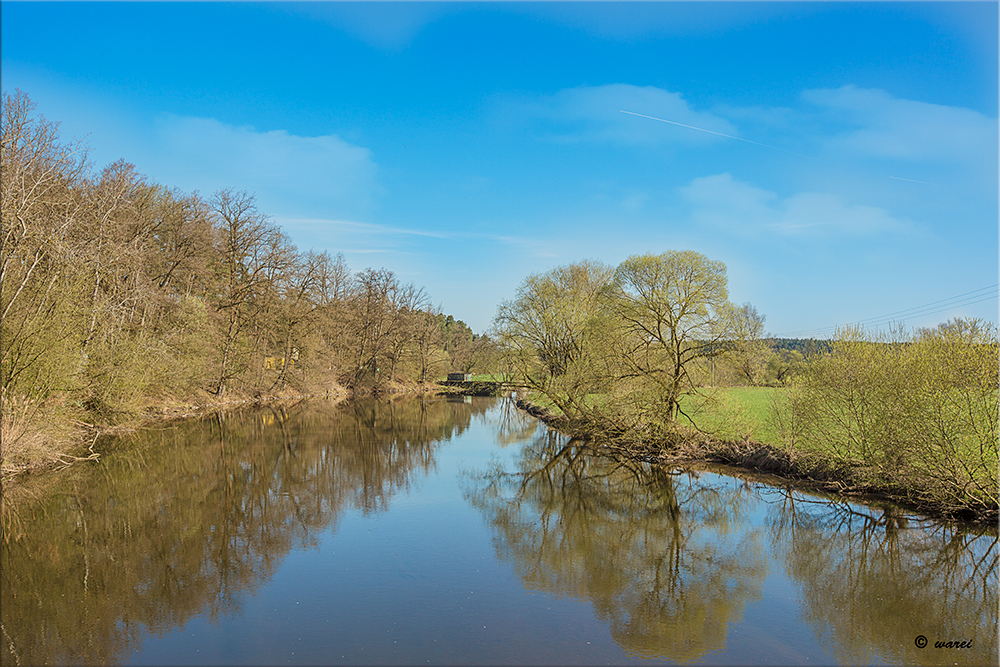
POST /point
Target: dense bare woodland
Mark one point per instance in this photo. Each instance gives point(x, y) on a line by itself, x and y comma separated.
point(118, 293)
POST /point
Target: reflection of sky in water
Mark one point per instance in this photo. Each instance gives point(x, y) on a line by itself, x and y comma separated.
point(388, 534)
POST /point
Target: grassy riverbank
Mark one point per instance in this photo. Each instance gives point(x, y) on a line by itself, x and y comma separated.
point(754, 428)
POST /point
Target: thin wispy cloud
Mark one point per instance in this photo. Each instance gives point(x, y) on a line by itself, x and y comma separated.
point(283, 169)
point(390, 30)
point(718, 134)
point(756, 143)
point(534, 246)
point(364, 227)
point(911, 180)
point(740, 208)
point(351, 229)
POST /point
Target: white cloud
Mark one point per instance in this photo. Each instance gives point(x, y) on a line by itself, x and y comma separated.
point(288, 173)
point(884, 126)
point(388, 26)
point(594, 113)
point(365, 228)
point(722, 201)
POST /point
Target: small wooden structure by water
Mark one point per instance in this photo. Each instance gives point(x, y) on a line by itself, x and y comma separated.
point(462, 383)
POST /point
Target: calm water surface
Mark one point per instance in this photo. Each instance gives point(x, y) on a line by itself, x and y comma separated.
point(443, 531)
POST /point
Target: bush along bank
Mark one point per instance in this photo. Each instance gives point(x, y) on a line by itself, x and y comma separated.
point(623, 354)
point(800, 463)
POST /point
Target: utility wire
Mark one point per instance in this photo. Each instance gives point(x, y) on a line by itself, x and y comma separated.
point(878, 323)
point(966, 299)
point(905, 312)
point(889, 320)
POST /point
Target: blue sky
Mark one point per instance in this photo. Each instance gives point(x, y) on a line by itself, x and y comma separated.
point(840, 158)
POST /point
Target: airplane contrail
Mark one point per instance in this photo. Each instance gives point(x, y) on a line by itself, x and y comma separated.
point(756, 143)
point(899, 178)
point(728, 136)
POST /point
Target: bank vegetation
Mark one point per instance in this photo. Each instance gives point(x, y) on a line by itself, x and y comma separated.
point(120, 296)
point(637, 358)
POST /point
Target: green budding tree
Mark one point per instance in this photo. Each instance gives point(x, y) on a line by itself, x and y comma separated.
point(671, 310)
point(621, 344)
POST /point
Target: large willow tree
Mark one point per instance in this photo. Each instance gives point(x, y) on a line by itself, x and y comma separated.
point(551, 335)
point(618, 346)
point(670, 310)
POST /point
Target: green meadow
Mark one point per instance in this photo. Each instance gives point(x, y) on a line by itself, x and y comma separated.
point(736, 413)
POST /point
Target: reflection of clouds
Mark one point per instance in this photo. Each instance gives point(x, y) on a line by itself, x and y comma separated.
point(662, 559)
point(872, 583)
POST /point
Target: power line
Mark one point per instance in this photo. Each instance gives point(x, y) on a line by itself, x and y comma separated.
point(941, 305)
point(941, 309)
point(874, 324)
point(905, 312)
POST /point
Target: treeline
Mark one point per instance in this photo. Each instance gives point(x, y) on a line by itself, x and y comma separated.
point(117, 291)
point(626, 354)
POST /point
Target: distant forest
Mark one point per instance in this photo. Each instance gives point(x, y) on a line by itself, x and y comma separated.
point(808, 347)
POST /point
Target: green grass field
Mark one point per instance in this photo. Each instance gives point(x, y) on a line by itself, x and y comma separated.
point(727, 413)
point(488, 377)
point(737, 412)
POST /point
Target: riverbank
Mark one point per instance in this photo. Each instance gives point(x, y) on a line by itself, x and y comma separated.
point(38, 441)
point(798, 469)
point(53, 435)
point(40, 437)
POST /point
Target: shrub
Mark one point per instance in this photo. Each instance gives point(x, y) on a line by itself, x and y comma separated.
point(917, 411)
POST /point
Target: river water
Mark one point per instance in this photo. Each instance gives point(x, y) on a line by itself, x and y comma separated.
point(460, 531)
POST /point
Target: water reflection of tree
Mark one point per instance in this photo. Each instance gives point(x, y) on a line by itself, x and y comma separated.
point(664, 559)
point(190, 518)
point(874, 580)
point(513, 425)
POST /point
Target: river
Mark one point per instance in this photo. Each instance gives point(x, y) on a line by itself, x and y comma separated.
point(461, 531)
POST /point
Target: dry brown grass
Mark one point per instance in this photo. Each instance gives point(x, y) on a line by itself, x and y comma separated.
point(35, 436)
